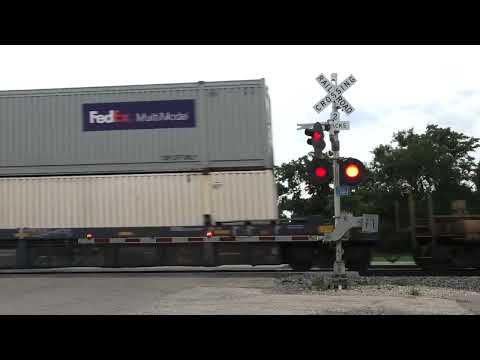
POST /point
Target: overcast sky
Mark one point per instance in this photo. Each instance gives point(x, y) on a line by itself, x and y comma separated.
point(397, 87)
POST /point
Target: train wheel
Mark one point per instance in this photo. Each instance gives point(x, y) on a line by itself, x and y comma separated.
point(358, 259)
point(300, 258)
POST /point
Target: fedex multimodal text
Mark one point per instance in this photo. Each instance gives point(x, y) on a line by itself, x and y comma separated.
point(139, 115)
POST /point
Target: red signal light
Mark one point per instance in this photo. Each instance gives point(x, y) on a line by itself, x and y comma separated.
point(321, 172)
point(89, 236)
point(209, 234)
point(316, 139)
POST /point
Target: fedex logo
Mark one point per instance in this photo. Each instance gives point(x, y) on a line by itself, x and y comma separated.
point(113, 116)
point(133, 115)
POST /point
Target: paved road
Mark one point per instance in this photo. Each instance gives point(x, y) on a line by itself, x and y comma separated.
point(200, 293)
point(107, 293)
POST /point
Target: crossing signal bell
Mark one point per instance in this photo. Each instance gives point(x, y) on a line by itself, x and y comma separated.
point(352, 172)
point(321, 171)
point(317, 139)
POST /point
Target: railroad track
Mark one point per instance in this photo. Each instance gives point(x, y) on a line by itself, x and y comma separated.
point(413, 270)
point(374, 270)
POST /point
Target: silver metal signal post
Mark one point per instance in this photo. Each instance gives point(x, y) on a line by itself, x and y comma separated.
point(339, 264)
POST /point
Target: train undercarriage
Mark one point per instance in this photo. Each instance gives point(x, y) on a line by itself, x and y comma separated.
point(442, 242)
point(301, 257)
point(298, 245)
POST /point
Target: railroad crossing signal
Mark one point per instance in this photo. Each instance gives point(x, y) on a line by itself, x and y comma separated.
point(317, 139)
point(345, 173)
point(352, 172)
point(321, 171)
point(335, 94)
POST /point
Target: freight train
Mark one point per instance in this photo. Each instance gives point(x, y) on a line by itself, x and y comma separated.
point(152, 175)
point(439, 242)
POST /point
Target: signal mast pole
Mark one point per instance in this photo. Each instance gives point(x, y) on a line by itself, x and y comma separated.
point(339, 265)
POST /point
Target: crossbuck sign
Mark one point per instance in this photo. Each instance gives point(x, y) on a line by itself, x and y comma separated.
point(335, 94)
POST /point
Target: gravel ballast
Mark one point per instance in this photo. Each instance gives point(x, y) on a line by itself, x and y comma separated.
point(429, 286)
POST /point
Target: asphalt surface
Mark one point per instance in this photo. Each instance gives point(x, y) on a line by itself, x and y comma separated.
point(133, 293)
point(197, 293)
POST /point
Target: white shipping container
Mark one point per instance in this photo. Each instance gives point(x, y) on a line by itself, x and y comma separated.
point(179, 199)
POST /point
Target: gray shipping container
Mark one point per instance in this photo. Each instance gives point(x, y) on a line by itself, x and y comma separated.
point(134, 129)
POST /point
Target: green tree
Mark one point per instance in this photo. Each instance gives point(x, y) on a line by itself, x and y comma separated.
point(438, 162)
point(297, 194)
